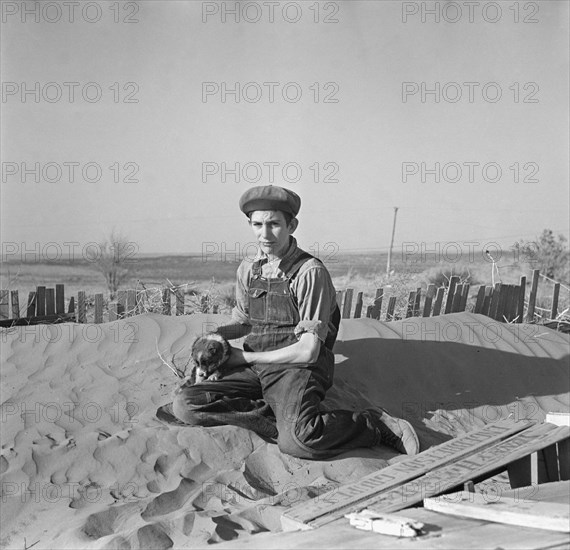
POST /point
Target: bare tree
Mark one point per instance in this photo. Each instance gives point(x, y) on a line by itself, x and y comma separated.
point(115, 260)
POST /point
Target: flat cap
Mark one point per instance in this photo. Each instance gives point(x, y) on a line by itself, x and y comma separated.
point(270, 197)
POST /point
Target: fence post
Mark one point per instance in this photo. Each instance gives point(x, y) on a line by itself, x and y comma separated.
point(98, 308)
point(347, 303)
point(520, 305)
point(122, 310)
point(391, 307)
point(131, 302)
point(358, 306)
point(4, 304)
point(113, 311)
point(50, 301)
point(495, 298)
point(15, 304)
point(59, 299)
point(464, 297)
point(180, 301)
point(450, 293)
point(411, 303)
point(456, 300)
point(40, 301)
point(418, 301)
point(166, 301)
point(429, 298)
point(438, 301)
point(81, 314)
point(31, 308)
point(554, 310)
point(480, 299)
point(532, 297)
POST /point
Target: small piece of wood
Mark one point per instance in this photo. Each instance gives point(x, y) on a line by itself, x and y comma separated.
point(418, 301)
point(122, 310)
point(81, 307)
point(495, 298)
point(131, 308)
point(487, 301)
point(38, 320)
point(464, 297)
point(113, 313)
point(385, 524)
point(539, 515)
point(71, 307)
point(339, 298)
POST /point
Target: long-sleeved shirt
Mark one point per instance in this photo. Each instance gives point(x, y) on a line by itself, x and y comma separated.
point(312, 287)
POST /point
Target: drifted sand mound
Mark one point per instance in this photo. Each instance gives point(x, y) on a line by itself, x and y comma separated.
point(86, 464)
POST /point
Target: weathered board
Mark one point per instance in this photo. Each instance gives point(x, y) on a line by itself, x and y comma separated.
point(347, 498)
point(552, 516)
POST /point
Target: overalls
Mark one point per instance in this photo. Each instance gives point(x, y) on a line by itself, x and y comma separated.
point(278, 402)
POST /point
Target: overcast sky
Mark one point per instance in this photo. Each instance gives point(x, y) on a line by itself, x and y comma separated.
point(332, 103)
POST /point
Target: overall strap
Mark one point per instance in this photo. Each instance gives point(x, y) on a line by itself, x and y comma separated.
point(290, 266)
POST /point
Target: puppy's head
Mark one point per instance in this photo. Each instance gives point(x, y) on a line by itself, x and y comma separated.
point(209, 352)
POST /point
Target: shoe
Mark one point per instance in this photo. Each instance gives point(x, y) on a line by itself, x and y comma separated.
point(395, 432)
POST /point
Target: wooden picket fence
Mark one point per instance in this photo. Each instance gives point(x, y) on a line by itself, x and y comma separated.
point(502, 302)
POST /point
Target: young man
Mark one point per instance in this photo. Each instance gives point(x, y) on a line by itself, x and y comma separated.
point(286, 305)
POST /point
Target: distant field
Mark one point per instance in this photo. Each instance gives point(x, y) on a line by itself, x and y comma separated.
point(361, 271)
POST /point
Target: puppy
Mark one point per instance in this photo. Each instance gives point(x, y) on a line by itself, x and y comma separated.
point(209, 353)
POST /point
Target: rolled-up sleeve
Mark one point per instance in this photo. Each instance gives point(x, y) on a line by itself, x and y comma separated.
point(240, 313)
point(315, 293)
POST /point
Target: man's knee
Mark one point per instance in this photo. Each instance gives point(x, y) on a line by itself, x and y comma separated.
point(293, 441)
point(187, 403)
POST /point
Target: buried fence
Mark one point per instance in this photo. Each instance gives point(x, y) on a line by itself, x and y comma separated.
point(502, 302)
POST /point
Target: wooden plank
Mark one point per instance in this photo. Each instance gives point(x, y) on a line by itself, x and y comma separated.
point(456, 300)
point(166, 309)
point(450, 292)
point(40, 301)
point(411, 303)
point(480, 299)
point(81, 307)
point(487, 301)
point(474, 466)
point(438, 301)
point(131, 308)
point(538, 515)
point(494, 307)
point(31, 308)
point(532, 297)
point(520, 306)
point(554, 309)
point(464, 297)
point(4, 304)
point(358, 306)
point(141, 294)
point(349, 497)
point(98, 308)
point(15, 304)
point(50, 301)
point(347, 306)
point(59, 298)
point(428, 301)
point(513, 303)
point(391, 307)
point(550, 457)
point(71, 307)
point(38, 319)
point(180, 301)
point(369, 312)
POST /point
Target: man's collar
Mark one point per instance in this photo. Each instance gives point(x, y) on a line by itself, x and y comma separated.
point(292, 249)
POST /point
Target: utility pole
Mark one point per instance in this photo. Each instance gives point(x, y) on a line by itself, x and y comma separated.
point(391, 242)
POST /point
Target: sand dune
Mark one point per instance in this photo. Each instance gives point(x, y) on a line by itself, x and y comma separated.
point(85, 463)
